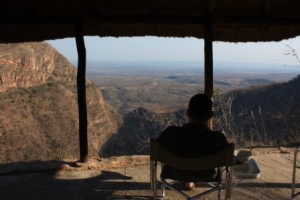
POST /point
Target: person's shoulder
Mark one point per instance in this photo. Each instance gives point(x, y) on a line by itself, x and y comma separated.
point(220, 135)
point(168, 133)
point(173, 127)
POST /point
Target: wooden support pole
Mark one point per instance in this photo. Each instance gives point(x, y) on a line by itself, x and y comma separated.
point(208, 61)
point(81, 92)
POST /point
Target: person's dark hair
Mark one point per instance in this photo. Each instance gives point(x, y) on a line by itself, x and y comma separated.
point(200, 107)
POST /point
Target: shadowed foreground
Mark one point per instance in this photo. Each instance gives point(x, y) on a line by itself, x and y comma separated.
point(128, 178)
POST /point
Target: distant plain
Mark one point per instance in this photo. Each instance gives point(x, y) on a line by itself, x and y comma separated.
point(167, 86)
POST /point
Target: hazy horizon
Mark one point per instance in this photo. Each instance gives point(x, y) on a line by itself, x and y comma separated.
point(144, 67)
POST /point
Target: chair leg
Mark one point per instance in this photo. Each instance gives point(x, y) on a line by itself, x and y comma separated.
point(228, 182)
point(153, 175)
point(293, 195)
point(163, 191)
point(219, 194)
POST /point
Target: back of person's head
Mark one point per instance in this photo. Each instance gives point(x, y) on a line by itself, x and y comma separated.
point(200, 107)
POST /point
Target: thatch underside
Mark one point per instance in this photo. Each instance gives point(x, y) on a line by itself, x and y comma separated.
point(236, 34)
point(232, 20)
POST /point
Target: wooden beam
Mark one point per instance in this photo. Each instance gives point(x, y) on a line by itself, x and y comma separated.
point(208, 62)
point(81, 91)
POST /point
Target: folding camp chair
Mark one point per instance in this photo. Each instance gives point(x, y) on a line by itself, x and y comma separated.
point(223, 161)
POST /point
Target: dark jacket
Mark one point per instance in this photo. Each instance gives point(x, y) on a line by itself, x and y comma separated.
point(191, 140)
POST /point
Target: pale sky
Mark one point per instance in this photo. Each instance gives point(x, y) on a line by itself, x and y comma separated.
point(177, 49)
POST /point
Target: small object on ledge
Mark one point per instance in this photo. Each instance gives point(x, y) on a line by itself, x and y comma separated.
point(243, 156)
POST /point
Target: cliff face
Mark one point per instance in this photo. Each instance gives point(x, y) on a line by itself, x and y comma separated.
point(38, 103)
point(25, 65)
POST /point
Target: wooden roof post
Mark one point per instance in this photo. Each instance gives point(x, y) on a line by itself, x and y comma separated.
point(208, 61)
point(81, 92)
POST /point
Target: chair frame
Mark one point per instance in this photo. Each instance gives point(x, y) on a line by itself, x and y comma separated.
point(294, 194)
point(223, 159)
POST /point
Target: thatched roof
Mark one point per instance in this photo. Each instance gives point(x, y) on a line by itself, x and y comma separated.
point(232, 20)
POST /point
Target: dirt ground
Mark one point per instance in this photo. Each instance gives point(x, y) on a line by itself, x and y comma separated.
point(128, 177)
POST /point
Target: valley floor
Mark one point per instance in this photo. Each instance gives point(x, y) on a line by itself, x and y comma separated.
point(127, 177)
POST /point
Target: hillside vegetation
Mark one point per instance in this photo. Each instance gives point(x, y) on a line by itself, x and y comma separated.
point(274, 111)
point(38, 103)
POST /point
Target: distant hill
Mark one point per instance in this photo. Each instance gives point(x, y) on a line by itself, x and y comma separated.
point(38, 103)
point(275, 108)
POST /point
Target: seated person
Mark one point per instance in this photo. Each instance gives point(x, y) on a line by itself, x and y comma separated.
point(193, 139)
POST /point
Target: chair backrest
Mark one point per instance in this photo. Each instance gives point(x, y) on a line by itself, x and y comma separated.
point(219, 159)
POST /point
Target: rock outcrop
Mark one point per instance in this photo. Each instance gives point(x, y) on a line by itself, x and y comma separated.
point(38, 103)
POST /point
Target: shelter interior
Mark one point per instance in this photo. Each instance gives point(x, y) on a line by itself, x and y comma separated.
point(212, 20)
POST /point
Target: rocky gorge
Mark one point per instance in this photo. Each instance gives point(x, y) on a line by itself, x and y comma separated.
point(38, 103)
